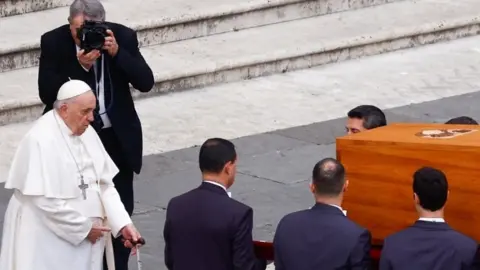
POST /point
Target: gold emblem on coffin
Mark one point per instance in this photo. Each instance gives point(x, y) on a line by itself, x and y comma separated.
point(443, 133)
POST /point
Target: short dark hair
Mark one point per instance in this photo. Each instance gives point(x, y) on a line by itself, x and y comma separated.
point(215, 153)
point(431, 187)
point(462, 120)
point(372, 116)
point(328, 177)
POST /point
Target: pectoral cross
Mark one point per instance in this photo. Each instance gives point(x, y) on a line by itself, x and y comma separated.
point(83, 187)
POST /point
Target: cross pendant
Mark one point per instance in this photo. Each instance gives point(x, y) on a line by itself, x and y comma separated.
point(83, 187)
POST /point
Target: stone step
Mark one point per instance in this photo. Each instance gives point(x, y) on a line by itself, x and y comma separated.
point(18, 7)
point(275, 48)
point(163, 21)
point(243, 108)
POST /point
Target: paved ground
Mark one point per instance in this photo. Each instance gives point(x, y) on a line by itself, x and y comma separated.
point(274, 169)
point(180, 120)
point(275, 166)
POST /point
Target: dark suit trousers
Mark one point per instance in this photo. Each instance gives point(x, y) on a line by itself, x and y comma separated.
point(124, 184)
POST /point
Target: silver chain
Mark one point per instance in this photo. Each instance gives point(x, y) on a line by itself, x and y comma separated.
point(68, 146)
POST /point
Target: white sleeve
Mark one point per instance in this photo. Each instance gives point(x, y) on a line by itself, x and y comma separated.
point(115, 211)
point(63, 220)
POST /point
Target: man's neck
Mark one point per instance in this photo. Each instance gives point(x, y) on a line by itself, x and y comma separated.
point(329, 200)
point(216, 179)
point(427, 214)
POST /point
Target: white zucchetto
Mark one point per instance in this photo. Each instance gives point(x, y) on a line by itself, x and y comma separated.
point(72, 89)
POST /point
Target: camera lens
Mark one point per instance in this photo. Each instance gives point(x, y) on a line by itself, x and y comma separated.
point(95, 39)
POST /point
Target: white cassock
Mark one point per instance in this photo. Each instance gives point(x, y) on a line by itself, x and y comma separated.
point(48, 219)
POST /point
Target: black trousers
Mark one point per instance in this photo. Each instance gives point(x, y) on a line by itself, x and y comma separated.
point(124, 184)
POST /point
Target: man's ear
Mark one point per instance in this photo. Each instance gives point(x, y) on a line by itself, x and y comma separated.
point(229, 168)
point(345, 186)
point(415, 198)
point(312, 187)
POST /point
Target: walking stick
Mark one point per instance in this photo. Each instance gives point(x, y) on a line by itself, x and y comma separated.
point(139, 261)
point(140, 242)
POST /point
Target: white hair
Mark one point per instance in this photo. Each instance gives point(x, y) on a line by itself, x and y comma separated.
point(92, 9)
point(59, 103)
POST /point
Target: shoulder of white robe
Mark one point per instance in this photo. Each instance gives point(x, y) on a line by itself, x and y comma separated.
point(102, 161)
point(35, 167)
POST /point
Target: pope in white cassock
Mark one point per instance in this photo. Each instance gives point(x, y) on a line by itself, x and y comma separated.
point(65, 207)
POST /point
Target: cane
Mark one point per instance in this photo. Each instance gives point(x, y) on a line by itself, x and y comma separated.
point(140, 241)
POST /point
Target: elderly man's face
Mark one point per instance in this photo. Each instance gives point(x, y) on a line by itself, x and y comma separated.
point(79, 114)
point(354, 125)
point(75, 24)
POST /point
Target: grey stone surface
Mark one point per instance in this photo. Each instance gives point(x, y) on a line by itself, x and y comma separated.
point(273, 173)
point(269, 49)
point(19, 7)
point(151, 254)
point(442, 110)
point(331, 129)
point(289, 166)
point(158, 21)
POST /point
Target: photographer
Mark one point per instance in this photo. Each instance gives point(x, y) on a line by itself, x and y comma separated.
point(105, 55)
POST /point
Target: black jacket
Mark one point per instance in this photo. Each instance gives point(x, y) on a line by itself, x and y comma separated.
point(429, 245)
point(321, 238)
point(205, 230)
point(58, 63)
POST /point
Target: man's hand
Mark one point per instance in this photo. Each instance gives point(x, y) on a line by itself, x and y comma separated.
point(111, 44)
point(87, 60)
point(130, 234)
point(97, 232)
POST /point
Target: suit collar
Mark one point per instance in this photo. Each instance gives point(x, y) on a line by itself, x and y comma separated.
point(213, 188)
point(442, 226)
point(328, 209)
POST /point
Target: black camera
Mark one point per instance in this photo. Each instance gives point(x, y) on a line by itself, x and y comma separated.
point(92, 35)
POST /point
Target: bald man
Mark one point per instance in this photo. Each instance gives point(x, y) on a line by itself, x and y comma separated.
point(322, 237)
point(65, 207)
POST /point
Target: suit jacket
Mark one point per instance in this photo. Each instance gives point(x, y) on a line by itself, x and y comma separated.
point(205, 229)
point(428, 245)
point(321, 238)
point(58, 63)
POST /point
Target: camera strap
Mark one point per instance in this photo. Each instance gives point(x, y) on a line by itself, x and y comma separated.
point(101, 69)
point(98, 74)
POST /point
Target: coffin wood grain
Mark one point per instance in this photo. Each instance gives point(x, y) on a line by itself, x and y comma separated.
point(380, 164)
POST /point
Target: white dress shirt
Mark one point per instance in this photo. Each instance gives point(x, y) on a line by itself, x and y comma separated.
point(100, 93)
point(432, 219)
point(217, 184)
point(339, 207)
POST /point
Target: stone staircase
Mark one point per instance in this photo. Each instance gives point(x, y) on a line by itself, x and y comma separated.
point(17, 7)
point(191, 44)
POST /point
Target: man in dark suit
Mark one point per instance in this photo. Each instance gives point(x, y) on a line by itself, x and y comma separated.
point(322, 237)
point(205, 229)
point(429, 243)
point(365, 117)
point(109, 71)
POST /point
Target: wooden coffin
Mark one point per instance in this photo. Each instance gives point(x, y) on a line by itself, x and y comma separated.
point(380, 164)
